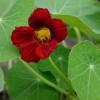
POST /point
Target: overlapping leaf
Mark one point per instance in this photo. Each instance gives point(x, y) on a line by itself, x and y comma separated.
point(24, 86)
point(84, 70)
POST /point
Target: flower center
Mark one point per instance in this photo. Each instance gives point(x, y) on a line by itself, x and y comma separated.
point(43, 34)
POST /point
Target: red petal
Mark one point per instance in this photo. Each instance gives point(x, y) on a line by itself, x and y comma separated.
point(44, 50)
point(40, 18)
point(22, 36)
point(59, 30)
point(28, 53)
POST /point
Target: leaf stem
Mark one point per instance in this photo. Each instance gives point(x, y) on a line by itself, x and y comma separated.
point(9, 64)
point(64, 44)
point(60, 73)
point(44, 80)
point(78, 34)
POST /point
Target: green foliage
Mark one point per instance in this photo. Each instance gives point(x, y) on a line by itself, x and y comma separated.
point(82, 13)
point(67, 7)
point(84, 70)
point(24, 86)
point(60, 60)
point(17, 15)
point(20, 74)
point(5, 6)
point(49, 79)
point(1, 80)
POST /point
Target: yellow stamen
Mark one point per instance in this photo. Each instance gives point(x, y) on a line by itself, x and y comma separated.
point(43, 34)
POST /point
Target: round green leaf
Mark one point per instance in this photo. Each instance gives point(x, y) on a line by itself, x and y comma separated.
point(1, 80)
point(22, 85)
point(84, 70)
point(17, 15)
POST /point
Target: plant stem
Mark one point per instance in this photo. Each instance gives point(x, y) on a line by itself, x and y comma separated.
point(44, 80)
point(9, 64)
point(64, 44)
point(60, 73)
point(77, 34)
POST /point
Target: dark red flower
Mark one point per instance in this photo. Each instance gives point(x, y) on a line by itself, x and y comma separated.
point(38, 40)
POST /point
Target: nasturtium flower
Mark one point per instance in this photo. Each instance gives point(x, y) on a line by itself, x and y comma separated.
point(38, 40)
